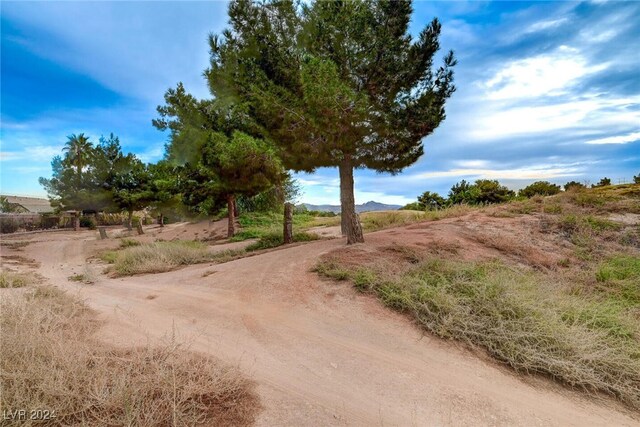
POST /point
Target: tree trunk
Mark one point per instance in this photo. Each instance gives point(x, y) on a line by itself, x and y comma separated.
point(161, 220)
point(349, 218)
point(236, 214)
point(343, 202)
point(232, 225)
point(76, 221)
point(130, 221)
point(288, 223)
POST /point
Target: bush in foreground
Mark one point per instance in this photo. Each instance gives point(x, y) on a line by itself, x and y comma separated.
point(50, 360)
point(522, 318)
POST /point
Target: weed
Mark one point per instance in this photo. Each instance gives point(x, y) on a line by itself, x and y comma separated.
point(522, 318)
point(11, 279)
point(127, 243)
point(273, 240)
point(49, 358)
point(163, 256)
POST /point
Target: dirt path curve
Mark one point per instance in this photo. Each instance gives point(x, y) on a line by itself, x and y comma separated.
point(321, 353)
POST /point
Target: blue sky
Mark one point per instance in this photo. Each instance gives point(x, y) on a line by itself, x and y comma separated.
point(546, 90)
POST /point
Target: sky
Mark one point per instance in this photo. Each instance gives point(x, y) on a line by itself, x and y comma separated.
point(546, 90)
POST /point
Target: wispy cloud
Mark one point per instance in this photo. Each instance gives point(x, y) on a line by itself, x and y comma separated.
point(618, 139)
point(548, 74)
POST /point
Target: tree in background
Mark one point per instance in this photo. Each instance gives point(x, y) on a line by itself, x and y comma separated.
point(483, 191)
point(131, 187)
point(104, 180)
point(463, 192)
point(220, 151)
point(431, 201)
point(574, 185)
point(539, 188)
point(603, 182)
point(242, 165)
point(164, 184)
point(79, 152)
point(273, 198)
point(636, 179)
point(73, 184)
point(334, 84)
point(490, 191)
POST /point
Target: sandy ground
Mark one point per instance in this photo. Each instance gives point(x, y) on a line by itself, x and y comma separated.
point(321, 353)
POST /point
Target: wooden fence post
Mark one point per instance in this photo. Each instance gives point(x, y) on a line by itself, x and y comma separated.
point(288, 223)
point(103, 233)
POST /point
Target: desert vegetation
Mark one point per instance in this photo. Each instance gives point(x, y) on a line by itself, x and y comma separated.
point(574, 319)
point(50, 358)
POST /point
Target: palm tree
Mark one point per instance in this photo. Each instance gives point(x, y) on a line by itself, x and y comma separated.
point(79, 151)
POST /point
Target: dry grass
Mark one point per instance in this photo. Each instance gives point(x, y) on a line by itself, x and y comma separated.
point(581, 329)
point(159, 257)
point(50, 360)
point(12, 279)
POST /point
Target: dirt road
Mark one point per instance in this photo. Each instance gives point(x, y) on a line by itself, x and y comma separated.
point(321, 353)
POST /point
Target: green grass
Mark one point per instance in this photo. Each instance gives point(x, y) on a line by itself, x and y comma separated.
point(163, 256)
point(523, 318)
point(256, 225)
point(273, 240)
point(619, 277)
point(127, 243)
point(575, 223)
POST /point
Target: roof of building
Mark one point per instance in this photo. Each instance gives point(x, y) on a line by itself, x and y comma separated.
point(31, 204)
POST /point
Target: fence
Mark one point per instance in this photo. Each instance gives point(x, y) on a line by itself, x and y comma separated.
point(12, 222)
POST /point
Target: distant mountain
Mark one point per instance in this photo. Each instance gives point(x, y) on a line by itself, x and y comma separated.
point(365, 207)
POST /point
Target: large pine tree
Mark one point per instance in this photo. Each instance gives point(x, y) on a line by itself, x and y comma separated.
point(334, 83)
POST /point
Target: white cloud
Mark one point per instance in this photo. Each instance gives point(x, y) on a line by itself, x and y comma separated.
point(619, 139)
point(532, 172)
point(542, 75)
point(545, 25)
point(472, 163)
point(591, 112)
point(34, 153)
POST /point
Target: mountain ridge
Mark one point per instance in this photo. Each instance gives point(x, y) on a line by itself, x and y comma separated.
point(364, 207)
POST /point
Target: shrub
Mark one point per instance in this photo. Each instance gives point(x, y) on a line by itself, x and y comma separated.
point(88, 222)
point(574, 186)
point(483, 191)
point(110, 219)
point(603, 182)
point(431, 201)
point(522, 318)
point(636, 179)
point(50, 359)
point(127, 243)
point(11, 279)
point(414, 206)
point(8, 225)
point(540, 188)
point(273, 240)
point(490, 191)
point(157, 257)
